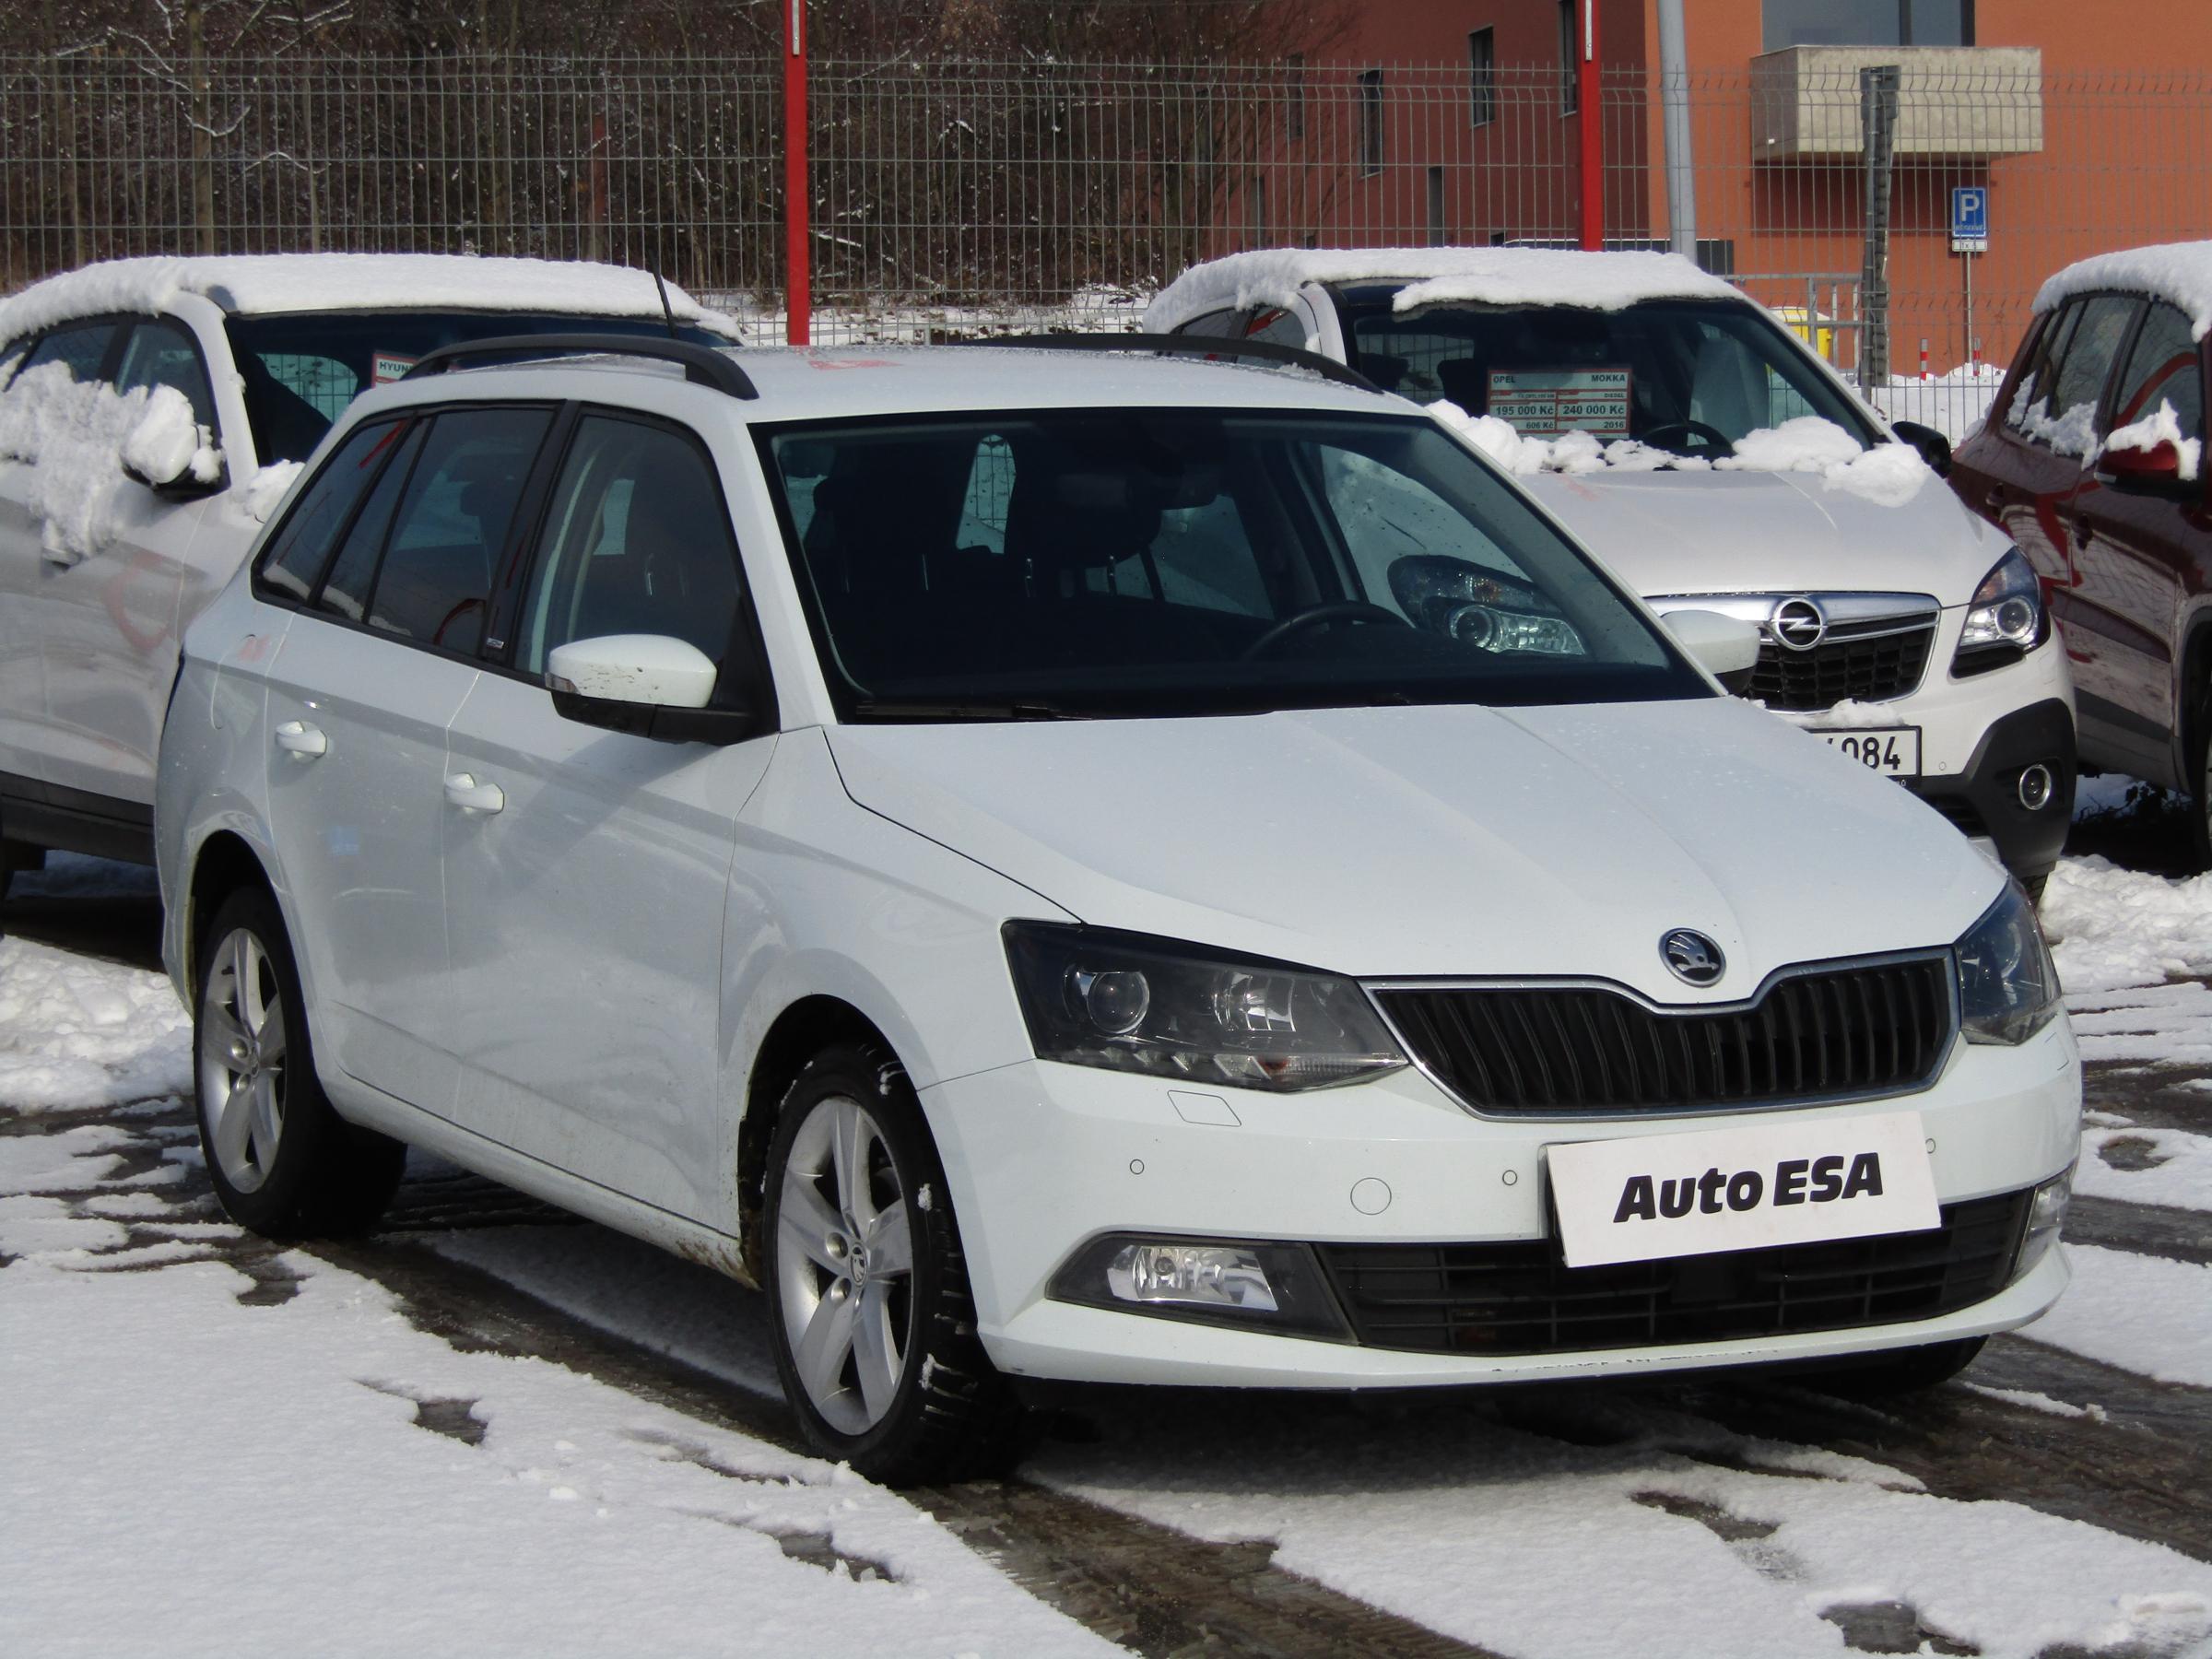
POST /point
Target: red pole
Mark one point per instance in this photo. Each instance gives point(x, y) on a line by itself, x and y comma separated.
point(798, 288)
point(1591, 125)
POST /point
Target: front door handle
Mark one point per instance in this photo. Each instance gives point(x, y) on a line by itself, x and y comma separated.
point(462, 790)
point(301, 741)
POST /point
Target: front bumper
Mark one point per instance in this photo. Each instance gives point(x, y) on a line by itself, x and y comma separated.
point(1042, 1157)
point(1983, 800)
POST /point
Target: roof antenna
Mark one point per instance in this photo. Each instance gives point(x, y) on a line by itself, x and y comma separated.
point(666, 311)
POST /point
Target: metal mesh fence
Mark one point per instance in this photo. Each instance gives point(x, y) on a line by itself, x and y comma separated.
point(953, 195)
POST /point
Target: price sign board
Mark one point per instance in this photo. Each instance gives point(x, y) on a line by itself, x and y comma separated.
point(1542, 402)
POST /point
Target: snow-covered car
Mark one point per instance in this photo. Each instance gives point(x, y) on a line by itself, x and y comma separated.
point(1014, 853)
point(2092, 461)
point(152, 412)
point(1714, 461)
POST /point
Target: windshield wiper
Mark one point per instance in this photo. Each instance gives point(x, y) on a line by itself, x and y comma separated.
point(899, 707)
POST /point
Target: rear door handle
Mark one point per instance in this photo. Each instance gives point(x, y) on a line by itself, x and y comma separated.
point(301, 741)
point(462, 790)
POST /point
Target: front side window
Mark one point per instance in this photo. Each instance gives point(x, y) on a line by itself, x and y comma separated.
point(636, 541)
point(1183, 562)
point(2161, 371)
point(2062, 413)
point(451, 525)
point(1693, 377)
point(83, 347)
point(161, 353)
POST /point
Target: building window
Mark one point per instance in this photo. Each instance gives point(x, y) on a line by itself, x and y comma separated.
point(1371, 121)
point(1295, 95)
point(1786, 23)
point(1570, 52)
point(1482, 78)
point(1436, 206)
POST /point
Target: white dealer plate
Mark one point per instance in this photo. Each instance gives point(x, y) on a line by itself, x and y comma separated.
point(1893, 751)
point(1744, 1187)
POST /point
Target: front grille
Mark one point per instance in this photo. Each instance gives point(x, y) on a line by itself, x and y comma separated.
point(1523, 1299)
point(1869, 670)
point(1862, 1029)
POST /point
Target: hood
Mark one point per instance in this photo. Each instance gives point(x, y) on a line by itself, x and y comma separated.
point(1444, 839)
point(1763, 532)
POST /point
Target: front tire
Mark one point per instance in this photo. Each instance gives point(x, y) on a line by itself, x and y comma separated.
point(868, 1296)
point(283, 1162)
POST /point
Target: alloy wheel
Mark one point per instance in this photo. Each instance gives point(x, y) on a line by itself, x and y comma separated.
point(243, 1060)
point(844, 1264)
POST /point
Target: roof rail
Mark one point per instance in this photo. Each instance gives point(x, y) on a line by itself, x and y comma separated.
point(1197, 346)
point(703, 365)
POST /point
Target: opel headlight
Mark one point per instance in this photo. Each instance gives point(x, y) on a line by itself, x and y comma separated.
point(1132, 1002)
point(2006, 611)
point(2008, 984)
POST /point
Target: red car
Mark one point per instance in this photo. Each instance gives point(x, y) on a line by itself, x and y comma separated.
point(2092, 459)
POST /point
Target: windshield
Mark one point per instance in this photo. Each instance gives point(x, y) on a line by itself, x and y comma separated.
point(1690, 376)
point(1188, 561)
point(301, 370)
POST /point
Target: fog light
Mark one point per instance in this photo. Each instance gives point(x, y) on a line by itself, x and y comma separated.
point(1208, 1275)
point(2035, 787)
point(2047, 1216)
point(1215, 1281)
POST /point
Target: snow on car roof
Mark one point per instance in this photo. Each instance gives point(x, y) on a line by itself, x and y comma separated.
point(1608, 281)
point(268, 283)
point(2181, 272)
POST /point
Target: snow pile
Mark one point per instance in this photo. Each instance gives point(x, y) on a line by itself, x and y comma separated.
point(78, 434)
point(168, 444)
point(2161, 426)
point(2144, 1314)
point(75, 1032)
point(1887, 473)
point(1440, 276)
point(351, 282)
point(2181, 272)
point(258, 498)
point(1954, 403)
point(2073, 433)
point(2113, 928)
point(2170, 1167)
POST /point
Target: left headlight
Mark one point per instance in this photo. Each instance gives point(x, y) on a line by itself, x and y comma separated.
point(2008, 984)
point(1177, 1012)
point(2005, 615)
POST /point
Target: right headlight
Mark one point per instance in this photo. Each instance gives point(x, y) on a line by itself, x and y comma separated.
point(2005, 615)
point(1188, 1015)
point(2007, 983)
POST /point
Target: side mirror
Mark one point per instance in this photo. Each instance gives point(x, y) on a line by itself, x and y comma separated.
point(1725, 647)
point(645, 685)
point(171, 453)
point(2156, 464)
point(1933, 447)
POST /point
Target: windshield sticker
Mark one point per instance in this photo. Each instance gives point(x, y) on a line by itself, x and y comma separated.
point(385, 367)
point(1542, 402)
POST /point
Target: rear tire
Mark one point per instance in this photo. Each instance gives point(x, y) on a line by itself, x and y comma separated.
point(2200, 787)
point(874, 1326)
point(1901, 1370)
point(283, 1162)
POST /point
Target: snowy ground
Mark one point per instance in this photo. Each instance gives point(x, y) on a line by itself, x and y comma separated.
point(212, 1446)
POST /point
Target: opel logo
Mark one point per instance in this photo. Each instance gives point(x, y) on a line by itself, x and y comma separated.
point(1691, 957)
point(1798, 624)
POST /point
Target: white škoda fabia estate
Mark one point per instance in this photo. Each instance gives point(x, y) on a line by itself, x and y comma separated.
point(1082, 866)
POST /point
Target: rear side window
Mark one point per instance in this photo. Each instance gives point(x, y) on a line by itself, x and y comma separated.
point(84, 348)
point(452, 524)
point(345, 588)
point(637, 542)
point(1220, 325)
point(302, 544)
point(161, 353)
point(2161, 370)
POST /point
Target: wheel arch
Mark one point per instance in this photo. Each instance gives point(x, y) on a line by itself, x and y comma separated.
point(224, 863)
point(801, 1031)
point(2193, 691)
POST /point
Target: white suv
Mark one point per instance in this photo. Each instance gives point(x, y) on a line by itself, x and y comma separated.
point(152, 413)
point(1713, 460)
point(1032, 860)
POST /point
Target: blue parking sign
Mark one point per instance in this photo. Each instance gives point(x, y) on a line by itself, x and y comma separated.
point(1970, 218)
